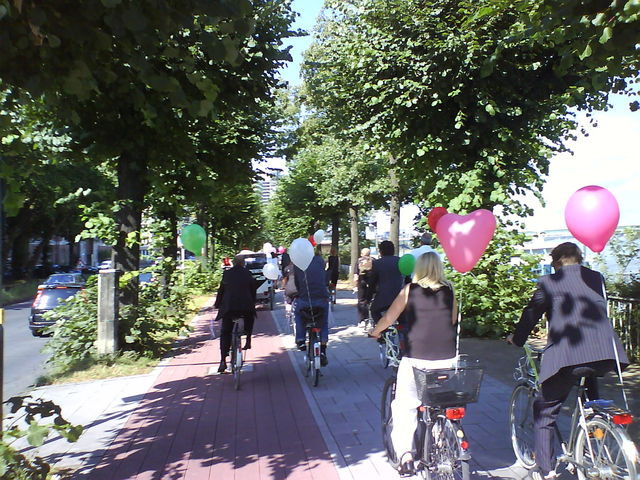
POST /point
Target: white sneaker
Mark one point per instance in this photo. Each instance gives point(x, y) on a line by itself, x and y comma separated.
point(537, 475)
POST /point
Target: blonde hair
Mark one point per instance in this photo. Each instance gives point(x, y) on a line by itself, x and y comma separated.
point(365, 252)
point(429, 272)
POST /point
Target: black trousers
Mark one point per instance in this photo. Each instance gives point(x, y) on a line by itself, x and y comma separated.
point(364, 297)
point(227, 329)
point(546, 406)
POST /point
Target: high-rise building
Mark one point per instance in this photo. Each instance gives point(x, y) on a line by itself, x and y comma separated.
point(267, 187)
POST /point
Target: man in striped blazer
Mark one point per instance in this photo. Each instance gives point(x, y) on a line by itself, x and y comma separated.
point(580, 338)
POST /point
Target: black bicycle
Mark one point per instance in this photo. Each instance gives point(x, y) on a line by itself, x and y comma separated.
point(236, 350)
point(311, 318)
point(441, 444)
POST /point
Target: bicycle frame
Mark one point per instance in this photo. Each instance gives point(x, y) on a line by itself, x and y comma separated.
point(583, 411)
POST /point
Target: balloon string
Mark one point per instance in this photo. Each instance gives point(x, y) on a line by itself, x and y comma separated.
point(308, 295)
point(459, 320)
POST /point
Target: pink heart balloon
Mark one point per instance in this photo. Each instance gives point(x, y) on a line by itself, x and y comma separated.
point(466, 237)
point(592, 215)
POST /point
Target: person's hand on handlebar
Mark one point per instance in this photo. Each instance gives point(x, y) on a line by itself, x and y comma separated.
point(373, 334)
point(509, 339)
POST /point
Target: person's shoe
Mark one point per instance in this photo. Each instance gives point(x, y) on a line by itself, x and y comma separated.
point(537, 474)
point(407, 467)
point(222, 367)
point(301, 345)
point(247, 344)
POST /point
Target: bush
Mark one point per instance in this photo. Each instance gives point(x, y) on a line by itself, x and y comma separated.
point(493, 295)
point(13, 464)
point(148, 328)
point(18, 291)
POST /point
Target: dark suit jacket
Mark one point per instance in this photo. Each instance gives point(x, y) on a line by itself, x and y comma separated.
point(579, 329)
point(237, 291)
point(385, 280)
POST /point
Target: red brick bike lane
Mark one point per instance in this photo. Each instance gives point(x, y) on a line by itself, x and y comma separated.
point(194, 425)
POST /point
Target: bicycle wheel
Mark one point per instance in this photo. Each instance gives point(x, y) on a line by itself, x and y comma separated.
point(388, 394)
point(445, 462)
point(606, 452)
point(236, 359)
point(313, 358)
point(521, 424)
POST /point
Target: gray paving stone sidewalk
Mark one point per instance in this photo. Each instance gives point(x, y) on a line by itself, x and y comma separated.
point(347, 403)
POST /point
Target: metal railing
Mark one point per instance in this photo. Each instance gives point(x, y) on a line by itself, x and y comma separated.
point(625, 316)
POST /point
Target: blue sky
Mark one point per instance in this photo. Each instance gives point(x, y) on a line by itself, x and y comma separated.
point(608, 157)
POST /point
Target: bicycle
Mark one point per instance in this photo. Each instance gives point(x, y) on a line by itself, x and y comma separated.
point(390, 345)
point(236, 350)
point(309, 318)
point(289, 316)
point(332, 295)
point(598, 445)
point(441, 445)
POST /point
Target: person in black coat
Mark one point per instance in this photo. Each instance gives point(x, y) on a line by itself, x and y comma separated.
point(333, 267)
point(236, 298)
point(386, 281)
point(580, 339)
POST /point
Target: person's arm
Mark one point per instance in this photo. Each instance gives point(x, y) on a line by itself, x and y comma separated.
point(373, 278)
point(218, 301)
point(530, 316)
point(396, 308)
point(454, 310)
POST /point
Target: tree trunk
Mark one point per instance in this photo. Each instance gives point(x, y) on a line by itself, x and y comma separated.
point(19, 254)
point(132, 186)
point(335, 232)
point(2, 227)
point(355, 247)
point(394, 205)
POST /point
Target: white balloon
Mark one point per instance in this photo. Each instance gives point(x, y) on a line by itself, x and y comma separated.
point(267, 248)
point(270, 271)
point(301, 253)
point(318, 236)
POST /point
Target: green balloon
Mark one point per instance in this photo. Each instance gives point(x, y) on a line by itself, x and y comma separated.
point(193, 238)
point(406, 264)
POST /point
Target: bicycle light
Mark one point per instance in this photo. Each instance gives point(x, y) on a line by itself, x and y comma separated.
point(455, 413)
point(622, 418)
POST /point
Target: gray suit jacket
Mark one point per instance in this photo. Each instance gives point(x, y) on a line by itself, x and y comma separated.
point(579, 329)
point(386, 281)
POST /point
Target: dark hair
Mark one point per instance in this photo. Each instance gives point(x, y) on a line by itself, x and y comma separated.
point(386, 248)
point(238, 261)
point(566, 250)
point(425, 239)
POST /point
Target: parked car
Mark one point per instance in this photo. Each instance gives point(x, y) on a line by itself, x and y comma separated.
point(105, 265)
point(65, 279)
point(48, 298)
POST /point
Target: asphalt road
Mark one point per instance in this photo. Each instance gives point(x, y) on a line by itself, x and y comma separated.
point(23, 361)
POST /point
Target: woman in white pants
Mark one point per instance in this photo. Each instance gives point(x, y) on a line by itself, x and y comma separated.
point(430, 312)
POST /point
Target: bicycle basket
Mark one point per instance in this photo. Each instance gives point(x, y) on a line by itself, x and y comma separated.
point(311, 315)
point(449, 387)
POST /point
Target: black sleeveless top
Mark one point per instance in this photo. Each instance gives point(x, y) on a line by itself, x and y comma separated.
point(431, 335)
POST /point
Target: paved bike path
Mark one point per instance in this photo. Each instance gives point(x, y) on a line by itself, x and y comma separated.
point(192, 424)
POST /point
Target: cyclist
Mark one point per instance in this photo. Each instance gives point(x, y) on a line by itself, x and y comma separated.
point(333, 267)
point(386, 280)
point(430, 312)
point(580, 339)
point(312, 292)
point(362, 277)
point(236, 298)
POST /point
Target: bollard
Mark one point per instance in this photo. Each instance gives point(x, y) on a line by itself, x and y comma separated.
point(107, 311)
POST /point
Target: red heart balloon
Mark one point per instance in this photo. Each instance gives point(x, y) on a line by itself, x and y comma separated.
point(312, 241)
point(434, 215)
point(464, 238)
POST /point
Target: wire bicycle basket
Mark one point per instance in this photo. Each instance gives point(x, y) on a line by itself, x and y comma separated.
point(450, 387)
